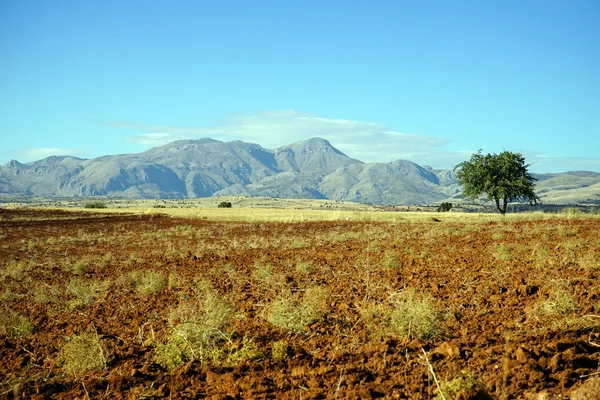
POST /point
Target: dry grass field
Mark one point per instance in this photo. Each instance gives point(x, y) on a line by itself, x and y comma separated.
point(146, 302)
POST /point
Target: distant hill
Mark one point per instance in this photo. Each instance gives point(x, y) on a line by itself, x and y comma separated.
point(308, 169)
point(569, 187)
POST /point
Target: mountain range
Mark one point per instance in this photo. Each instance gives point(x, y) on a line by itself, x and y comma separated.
point(308, 169)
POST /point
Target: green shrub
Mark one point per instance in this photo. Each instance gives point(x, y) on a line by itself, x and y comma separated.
point(225, 204)
point(444, 207)
point(391, 260)
point(588, 390)
point(305, 267)
point(95, 204)
point(79, 268)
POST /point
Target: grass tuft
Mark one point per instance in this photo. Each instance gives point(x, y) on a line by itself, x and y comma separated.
point(412, 315)
point(86, 293)
point(292, 314)
point(463, 386)
point(144, 281)
point(14, 269)
point(83, 354)
point(14, 324)
point(202, 331)
point(279, 350)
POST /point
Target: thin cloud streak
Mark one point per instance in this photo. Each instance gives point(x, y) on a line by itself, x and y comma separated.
point(37, 153)
point(365, 141)
point(544, 163)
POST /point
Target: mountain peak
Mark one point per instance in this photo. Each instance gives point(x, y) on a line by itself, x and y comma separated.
point(13, 164)
point(312, 142)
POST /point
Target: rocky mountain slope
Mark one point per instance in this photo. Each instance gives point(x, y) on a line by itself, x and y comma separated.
point(207, 167)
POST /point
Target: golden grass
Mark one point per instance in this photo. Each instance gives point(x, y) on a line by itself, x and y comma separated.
point(261, 209)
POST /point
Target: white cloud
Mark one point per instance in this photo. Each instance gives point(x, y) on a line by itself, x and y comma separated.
point(366, 141)
point(542, 163)
point(37, 153)
point(154, 139)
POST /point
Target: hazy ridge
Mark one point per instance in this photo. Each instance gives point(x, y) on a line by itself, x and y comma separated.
point(308, 169)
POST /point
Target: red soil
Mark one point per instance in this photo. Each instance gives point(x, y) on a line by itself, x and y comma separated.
point(489, 296)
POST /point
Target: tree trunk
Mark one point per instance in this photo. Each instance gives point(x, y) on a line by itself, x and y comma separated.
point(501, 208)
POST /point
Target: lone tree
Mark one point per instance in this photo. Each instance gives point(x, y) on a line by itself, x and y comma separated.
point(503, 177)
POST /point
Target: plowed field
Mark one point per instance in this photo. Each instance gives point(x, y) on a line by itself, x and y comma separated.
point(118, 306)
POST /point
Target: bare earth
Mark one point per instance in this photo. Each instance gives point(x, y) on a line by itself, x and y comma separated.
point(517, 305)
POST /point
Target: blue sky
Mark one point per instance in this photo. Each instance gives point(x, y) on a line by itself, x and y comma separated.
point(428, 81)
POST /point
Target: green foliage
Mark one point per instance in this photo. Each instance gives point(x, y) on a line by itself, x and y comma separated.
point(95, 204)
point(444, 207)
point(502, 177)
point(225, 204)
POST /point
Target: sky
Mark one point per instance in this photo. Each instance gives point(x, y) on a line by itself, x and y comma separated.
point(427, 81)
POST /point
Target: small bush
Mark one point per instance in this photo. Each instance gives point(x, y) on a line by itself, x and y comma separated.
point(560, 310)
point(290, 313)
point(391, 260)
point(225, 204)
point(444, 207)
point(15, 270)
point(463, 386)
point(84, 353)
point(415, 315)
point(279, 350)
point(95, 204)
point(412, 315)
point(174, 281)
point(144, 282)
point(202, 331)
point(561, 303)
point(44, 294)
point(14, 325)
point(79, 268)
point(86, 293)
point(305, 267)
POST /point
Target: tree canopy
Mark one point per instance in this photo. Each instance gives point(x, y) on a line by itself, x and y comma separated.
point(503, 177)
